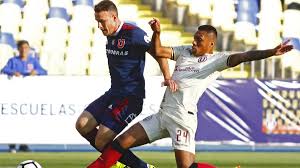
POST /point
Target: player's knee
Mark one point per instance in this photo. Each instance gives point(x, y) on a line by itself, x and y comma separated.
point(124, 141)
point(80, 125)
point(100, 143)
point(85, 123)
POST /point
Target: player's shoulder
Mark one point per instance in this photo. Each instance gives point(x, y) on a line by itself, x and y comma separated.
point(128, 26)
point(183, 47)
point(220, 54)
point(15, 58)
point(132, 29)
point(185, 50)
point(218, 57)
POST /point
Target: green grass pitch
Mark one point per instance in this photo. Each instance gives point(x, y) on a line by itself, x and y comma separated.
point(159, 159)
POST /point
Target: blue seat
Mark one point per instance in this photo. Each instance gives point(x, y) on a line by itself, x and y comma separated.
point(247, 5)
point(247, 17)
point(247, 11)
point(58, 12)
point(8, 38)
point(84, 2)
point(245, 27)
point(295, 42)
point(18, 2)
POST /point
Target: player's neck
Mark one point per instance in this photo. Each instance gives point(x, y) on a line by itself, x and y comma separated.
point(118, 24)
point(23, 57)
point(200, 55)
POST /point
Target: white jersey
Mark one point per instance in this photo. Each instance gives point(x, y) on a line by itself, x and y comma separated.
point(193, 75)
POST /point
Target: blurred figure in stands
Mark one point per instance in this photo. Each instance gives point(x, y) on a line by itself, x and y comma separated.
point(23, 65)
point(22, 148)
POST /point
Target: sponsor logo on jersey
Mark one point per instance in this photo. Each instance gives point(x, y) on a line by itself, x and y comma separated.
point(121, 43)
point(186, 69)
point(202, 59)
point(29, 67)
point(116, 52)
point(130, 118)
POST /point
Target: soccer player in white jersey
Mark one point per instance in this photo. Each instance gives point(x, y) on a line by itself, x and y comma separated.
point(196, 67)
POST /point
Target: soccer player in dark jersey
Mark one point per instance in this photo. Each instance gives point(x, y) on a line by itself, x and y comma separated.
point(126, 47)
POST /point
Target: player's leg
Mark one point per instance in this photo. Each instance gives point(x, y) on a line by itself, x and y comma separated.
point(86, 125)
point(183, 138)
point(118, 150)
point(141, 133)
point(183, 141)
point(105, 135)
point(119, 113)
point(146, 131)
point(184, 159)
point(90, 118)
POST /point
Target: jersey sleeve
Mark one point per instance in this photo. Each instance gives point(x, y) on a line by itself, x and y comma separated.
point(221, 62)
point(141, 39)
point(180, 51)
point(8, 68)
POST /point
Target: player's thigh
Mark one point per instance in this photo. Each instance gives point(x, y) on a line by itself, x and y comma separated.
point(184, 159)
point(182, 134)
point(86, 122)
point(154, 128)
point(104, 136)
point(93, 114)
point(134, 136)
point(121, 111)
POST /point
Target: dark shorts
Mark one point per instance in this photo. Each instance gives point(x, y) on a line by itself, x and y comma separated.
point(115, 112)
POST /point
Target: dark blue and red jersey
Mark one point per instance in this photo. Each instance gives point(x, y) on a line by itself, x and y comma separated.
point(126, 52)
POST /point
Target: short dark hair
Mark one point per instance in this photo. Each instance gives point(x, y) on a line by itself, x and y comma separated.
point(21, 42)
point(208, 29)
point(106, 5)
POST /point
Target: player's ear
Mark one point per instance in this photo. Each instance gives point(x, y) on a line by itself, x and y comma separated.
point(114, 17)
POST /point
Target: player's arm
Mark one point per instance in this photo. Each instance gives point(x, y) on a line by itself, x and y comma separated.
point(158, 50)
point(161, 54)
point(163, 63)
point(236, 59)
point(9, 70)
point(164, 67)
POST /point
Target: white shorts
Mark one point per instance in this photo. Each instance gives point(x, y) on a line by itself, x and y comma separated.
point(158, 126)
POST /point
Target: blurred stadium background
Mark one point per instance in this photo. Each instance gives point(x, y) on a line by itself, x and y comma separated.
point(64, 36)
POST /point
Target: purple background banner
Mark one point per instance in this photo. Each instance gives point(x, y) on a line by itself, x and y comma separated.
point(250, 110)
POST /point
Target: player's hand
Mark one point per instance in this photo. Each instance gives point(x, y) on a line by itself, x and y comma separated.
point(283, 48)
point(17, 74)
point(155, 25)
point(171, 84)
point(33, 73)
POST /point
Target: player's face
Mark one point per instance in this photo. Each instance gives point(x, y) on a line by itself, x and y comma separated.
point(24, 50)
point(107, 22)
point(202, 43)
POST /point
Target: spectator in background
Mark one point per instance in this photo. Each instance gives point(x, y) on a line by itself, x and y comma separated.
point(22, 148)
point(23, 65)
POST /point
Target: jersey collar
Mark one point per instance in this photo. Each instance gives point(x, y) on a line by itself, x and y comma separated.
point(119, 28)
